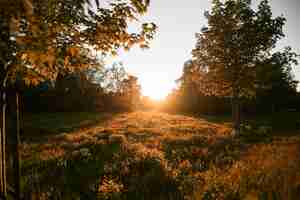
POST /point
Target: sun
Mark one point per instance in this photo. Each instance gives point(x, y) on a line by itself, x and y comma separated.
point(155, 94)
point(156, 90)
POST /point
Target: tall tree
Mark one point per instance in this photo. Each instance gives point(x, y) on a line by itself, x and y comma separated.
point(39, 38)
point(236, 39)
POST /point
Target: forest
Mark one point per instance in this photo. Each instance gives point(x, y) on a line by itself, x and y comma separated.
point(75, 126)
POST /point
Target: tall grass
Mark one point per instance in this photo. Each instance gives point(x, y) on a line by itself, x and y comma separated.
point(149, 156)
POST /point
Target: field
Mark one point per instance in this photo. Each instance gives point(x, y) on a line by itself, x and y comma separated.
point(152, 155)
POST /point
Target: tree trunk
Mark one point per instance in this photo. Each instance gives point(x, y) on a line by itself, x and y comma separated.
point(236, 113)
point(1, 154)
point(16, 154)
point(3, 144)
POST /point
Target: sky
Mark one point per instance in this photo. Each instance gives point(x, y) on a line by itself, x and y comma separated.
point(158, 67)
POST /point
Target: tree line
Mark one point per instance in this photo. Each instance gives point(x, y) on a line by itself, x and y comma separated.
point(107, 89)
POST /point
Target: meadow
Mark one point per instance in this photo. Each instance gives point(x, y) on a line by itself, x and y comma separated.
point(153, 155)
point(73, 82)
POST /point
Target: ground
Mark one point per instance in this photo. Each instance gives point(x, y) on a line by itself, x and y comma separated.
point(153, 155)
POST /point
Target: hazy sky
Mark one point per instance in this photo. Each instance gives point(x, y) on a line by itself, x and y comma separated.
point(158, 67)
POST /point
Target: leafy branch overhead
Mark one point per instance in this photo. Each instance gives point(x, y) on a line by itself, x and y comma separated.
point(53, 35)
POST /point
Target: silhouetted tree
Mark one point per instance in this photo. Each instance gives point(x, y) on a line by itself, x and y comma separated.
point(132, 91)
point(189, 96)
point(236, 39)
point(276, 85)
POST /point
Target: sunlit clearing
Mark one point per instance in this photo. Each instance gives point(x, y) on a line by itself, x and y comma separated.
point(154, 88)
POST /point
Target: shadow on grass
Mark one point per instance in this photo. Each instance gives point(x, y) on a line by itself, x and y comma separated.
point(74, 175)
point(100, 170)
point(281, 123)
point(37, 126)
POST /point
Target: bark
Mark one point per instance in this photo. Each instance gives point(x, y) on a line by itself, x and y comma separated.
point(5, 63)
point(16, 154)
point(3, 144)
point(5, 50)
point(1, 156)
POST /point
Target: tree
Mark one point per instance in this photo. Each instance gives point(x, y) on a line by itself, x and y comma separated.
point(132, 91)
point(189, 87)
point(190, 95)
point(236, 39)
point(42, 37)
point(276, 85)
point(111, 79)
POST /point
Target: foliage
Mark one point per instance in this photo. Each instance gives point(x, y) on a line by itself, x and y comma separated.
point(236, 38)
point(276, 85)
point(275, 88)
point(42, 37)
point(234, 59)
point(111, 78)
point(188, 98)
point(109, 89)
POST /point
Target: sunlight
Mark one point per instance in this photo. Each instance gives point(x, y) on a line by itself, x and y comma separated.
point(155, 89)
point(154, 94)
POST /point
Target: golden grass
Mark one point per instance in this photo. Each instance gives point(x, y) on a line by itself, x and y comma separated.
point(202, 156)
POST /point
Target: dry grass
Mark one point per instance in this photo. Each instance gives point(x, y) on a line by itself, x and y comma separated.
point(193, 159)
